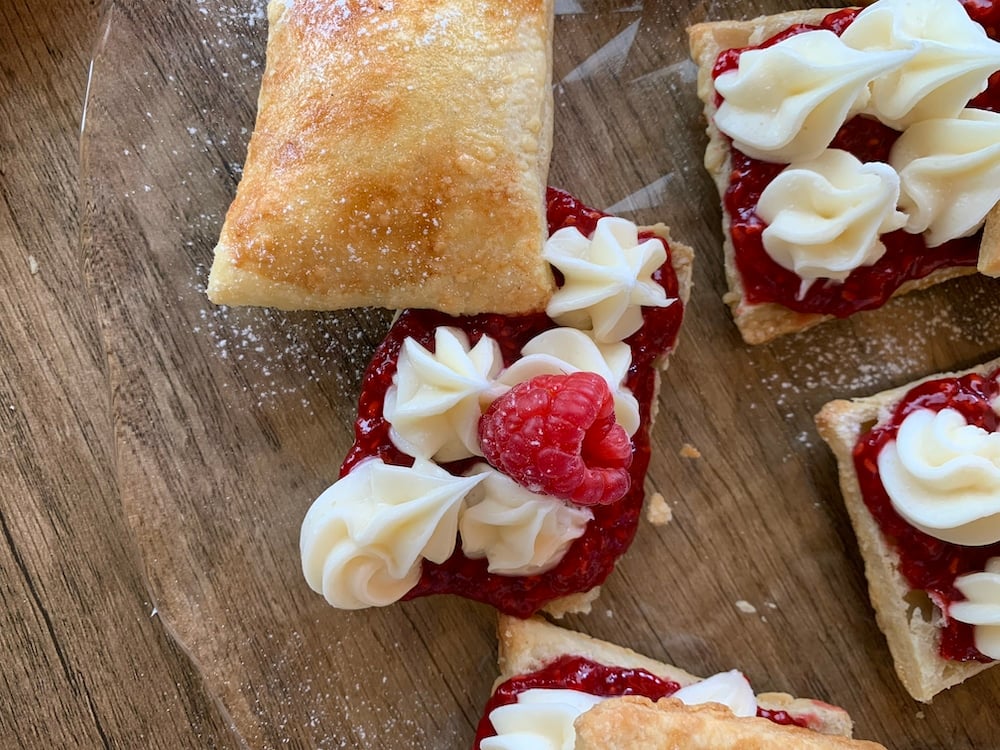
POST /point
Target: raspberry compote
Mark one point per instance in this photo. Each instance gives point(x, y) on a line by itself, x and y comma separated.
point(929, 564)
point(591, 557)
point(578, 673)
point(907, 256)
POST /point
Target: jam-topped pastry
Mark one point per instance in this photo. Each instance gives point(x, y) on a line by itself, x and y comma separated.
point(920, 474)
point(856, 153)
point(502, 458)
point(558, 688)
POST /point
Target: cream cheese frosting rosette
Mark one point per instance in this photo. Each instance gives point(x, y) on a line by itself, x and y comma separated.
point(785, 103)
point(981, 607)
point(518, 531)
point(364, 539)
point(542, 718)
point(607, 278)
point(942, 476)
point(950, 174)
point(825, 216)
point(951, 58)
point(436, 398)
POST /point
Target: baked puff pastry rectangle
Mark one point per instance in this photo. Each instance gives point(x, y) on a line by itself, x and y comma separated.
point(399, 159)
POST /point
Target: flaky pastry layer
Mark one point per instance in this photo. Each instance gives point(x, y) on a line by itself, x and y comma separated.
point(399, 159)
point(636, 723)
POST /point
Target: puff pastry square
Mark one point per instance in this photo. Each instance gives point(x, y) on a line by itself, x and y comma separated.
point(399, 159)
point(528, 647)
point(912, 634)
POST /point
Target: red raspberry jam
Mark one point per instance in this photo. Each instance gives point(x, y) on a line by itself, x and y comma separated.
point(929, 564)
point(578, 673)
point(907, 256)
point(590, 558)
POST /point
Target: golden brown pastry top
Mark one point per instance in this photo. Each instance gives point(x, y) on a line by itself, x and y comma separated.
point(636, 723)
point(399, 159)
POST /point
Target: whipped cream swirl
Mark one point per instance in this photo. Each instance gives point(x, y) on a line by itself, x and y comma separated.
point(981, 607)
point(785, 103)
point(950, 174)
point(436, 398)
point(731, 689)
point(566, 350)
point(950, 58)
point(517, 531)
point(943, 477)
point(363, 540)
point(608, 278)
point(825, 216)
point(542, 718)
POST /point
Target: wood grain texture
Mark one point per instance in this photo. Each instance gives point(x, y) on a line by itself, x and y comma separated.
point(86, 662)
point(162, 451)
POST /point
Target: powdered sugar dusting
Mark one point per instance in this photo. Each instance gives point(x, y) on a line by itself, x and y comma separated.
point(850, 364)
point(275, 354)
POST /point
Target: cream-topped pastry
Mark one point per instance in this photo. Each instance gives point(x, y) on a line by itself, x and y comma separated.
point(951, 58)
point(784, 103)
point(608, 278)
point(825, 216)
point(542, 718)
point(437, 397)
point(364, 539)
point(518, 531)
point(943, 476)
point(534, 422)
point(945, 52)
point(553, 681)
point(950, 174)
point(981, 607)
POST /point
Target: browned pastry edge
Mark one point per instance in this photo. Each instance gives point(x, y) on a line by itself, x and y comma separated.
point(989, 249)
point(682, 259)
point(637, 723)
point(526, 646)
point(907, 618)
point(762, 322)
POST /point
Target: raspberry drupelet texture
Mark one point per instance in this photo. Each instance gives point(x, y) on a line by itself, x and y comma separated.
point(557, 435)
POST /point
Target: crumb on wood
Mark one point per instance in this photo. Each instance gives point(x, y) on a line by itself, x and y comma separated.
point(32, 265)
point(689, 451)
point(658, 512)
point(746, 607)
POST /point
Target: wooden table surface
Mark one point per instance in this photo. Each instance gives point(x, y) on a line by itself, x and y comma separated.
point(158, 454)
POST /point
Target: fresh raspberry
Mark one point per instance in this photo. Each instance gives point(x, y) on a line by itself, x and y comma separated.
point(557, 435)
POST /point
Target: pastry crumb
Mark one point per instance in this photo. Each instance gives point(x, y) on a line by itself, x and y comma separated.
point(689, 451)
point(746, 607)
point(32, 265)
point(919, 715)
point(658, 512)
